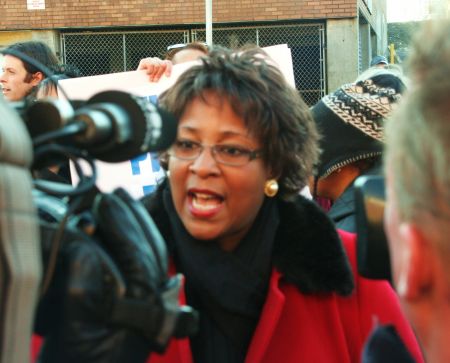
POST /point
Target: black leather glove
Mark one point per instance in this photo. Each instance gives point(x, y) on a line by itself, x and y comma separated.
point(110, 299)
point(74, 313)
point(130, 236)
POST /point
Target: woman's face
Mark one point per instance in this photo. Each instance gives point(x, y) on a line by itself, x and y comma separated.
point(216, 201)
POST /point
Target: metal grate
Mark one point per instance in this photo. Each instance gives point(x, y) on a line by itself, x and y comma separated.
point(101, 53)
point(107, 52)
point(304, 40)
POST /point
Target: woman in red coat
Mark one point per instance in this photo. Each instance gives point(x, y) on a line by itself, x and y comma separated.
point(270, 276)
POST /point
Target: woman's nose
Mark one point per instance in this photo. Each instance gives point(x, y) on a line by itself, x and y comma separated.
point(205, 164)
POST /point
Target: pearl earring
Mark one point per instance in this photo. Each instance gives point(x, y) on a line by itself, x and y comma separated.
point(271, 188)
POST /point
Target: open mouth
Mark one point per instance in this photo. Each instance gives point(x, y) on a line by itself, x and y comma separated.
point(205, 202)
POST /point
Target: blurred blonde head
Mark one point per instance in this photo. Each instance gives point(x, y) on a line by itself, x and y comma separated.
point(418, 136)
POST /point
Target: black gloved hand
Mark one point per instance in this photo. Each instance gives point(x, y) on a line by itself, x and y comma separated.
point(73, 314)
point(130, 236)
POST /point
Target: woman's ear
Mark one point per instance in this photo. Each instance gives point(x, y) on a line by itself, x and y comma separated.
point(415, 273)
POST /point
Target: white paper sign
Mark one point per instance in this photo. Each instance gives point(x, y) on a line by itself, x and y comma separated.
point(35, 4)
point(140, 175)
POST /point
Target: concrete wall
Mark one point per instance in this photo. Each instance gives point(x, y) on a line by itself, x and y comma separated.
point(50, 37)
point(376, 18)
point(342, 52)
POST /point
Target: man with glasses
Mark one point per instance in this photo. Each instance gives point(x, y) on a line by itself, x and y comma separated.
point(176, 54)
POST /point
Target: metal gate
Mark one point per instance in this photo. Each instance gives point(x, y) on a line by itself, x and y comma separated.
point(108, 52)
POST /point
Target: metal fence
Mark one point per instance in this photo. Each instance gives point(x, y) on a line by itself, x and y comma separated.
point(107, 52)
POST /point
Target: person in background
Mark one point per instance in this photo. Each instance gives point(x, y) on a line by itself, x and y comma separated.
point(379, 61)
point(351, 123)
point(19, 78)
point(271, 277)
point(176, 54)
point(180, 53)
point(49, 88)
point(417, 214)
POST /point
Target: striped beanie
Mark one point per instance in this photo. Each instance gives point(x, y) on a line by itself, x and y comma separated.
point(351, 121)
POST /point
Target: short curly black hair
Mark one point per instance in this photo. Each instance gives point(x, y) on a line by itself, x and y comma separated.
point(273, 111)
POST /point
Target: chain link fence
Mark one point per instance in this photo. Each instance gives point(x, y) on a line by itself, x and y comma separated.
point(107, 52)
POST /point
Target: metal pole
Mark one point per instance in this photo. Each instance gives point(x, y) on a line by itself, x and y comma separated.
point(208, 15)
point(392, 53)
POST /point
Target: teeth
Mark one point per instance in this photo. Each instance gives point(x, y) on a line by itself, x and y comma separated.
point(205, 201)
point(203, 196)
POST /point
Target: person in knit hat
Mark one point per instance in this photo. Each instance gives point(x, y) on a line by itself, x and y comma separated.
point(351, 123)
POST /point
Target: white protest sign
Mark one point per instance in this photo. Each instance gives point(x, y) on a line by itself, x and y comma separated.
point(282, 56)
point(135, 82)
point(140, 175)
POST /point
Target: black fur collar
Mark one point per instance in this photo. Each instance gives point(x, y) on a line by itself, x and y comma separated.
point(307, 248)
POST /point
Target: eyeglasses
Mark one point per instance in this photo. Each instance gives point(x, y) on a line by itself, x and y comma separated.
point(231, 155)
point(176, 46)
point(182, 45)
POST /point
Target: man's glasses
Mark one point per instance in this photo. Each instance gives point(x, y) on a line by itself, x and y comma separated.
point(231, 155)
point(182, 45)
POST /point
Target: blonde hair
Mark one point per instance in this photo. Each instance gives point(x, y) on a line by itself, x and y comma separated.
point(418, 136)
point(431, 53)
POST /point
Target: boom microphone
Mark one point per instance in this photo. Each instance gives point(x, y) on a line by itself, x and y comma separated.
point(112, 126)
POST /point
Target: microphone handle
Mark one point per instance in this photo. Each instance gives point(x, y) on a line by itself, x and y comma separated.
point(70, 129)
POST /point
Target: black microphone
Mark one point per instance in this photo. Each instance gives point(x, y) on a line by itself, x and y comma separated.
point(112, 126)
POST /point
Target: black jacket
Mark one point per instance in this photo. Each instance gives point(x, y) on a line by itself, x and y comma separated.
point(343, 211)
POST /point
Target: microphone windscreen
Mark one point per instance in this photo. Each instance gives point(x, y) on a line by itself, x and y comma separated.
point(151, 128)
point(47, 115)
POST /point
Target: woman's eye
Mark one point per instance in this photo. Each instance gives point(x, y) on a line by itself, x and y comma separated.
point(186, 144)
point(233, 150)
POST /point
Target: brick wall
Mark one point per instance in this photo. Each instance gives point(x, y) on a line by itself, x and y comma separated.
point(109, 13)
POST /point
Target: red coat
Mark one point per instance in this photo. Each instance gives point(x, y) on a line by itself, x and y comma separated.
point(312, 328)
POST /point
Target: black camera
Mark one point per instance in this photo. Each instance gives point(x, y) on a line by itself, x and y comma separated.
point(103, 262)
point(373, 258)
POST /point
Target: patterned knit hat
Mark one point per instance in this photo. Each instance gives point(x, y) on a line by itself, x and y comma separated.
point(351, 119)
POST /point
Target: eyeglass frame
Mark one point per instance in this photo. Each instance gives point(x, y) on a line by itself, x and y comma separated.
point(251, 154)
point(182, 45)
